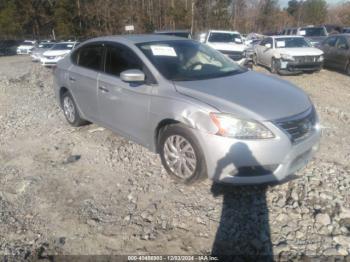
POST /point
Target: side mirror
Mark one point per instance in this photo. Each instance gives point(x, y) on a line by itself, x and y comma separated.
point(268, 45)
point(132, 75)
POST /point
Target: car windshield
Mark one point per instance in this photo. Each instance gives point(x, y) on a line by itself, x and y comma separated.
point(312, 31)
point(45, 45)
point(291, 42)
point(224, 38)
point(63, 46)
point(183, 60)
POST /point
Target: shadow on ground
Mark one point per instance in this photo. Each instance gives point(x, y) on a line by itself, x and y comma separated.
point(244, 231)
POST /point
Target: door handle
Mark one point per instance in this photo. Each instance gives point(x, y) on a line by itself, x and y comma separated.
point(103, 89)
point(72, 79)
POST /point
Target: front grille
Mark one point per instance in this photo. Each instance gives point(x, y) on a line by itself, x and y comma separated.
point(50, 57)
point(306, 59)
point(234, 55)
point(300, 126)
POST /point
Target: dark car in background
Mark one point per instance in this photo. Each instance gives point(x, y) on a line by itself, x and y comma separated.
point(336, 50)
point(314, 34)
point(9, 47)
point(178, 33)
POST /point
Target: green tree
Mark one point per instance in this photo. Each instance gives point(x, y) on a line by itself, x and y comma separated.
point(9, 24)
point(314, 11)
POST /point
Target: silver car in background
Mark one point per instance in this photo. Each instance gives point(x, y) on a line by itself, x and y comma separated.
point(37, 52)
point(204, 114)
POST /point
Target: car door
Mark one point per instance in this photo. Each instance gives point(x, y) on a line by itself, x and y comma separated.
point(124, 107)
point(341, 53)
point(328, 48)
point(267, 52)
point(83, 74)
point(259, 48)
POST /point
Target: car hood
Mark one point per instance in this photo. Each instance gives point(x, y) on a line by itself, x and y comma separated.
point(40, 50)
point(228, 46)
point(303, 51)
point(249, 95)
point(56, 52)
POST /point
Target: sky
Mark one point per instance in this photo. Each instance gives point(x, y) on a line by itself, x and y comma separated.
point(284, 3)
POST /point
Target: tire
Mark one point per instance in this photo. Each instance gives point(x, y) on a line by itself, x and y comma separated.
point(255, 60)
point(70, 110)
point(274, 66)
point(182, 136)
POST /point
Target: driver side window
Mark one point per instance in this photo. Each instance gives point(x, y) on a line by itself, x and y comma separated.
point(342, 43)
point(119, 59)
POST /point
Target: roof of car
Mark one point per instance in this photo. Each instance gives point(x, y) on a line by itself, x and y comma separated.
point(136, 39)
point(171, 31)
point(223, 31)
point(287, 36)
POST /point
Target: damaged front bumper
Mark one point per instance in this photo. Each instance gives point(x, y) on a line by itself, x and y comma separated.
point(256, 161)
point(298, 67)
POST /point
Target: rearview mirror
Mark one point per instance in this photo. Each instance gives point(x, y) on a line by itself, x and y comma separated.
point(132, 75)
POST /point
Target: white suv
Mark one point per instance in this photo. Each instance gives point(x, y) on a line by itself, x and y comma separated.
point(283, 54)
point(229, 43)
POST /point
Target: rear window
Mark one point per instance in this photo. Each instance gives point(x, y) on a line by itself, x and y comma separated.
point(312, 31)
point(224, 38)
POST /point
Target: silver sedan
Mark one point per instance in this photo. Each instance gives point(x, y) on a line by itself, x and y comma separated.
point(205, 115)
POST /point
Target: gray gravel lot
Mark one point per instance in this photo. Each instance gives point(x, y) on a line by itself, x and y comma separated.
point(113, 196)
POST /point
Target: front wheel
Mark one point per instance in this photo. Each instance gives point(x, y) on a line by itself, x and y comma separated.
point(70, 110)
point(181, 154)
point(255, 60)
point(275, 66)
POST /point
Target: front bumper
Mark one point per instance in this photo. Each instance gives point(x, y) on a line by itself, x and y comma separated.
point(292, 66)
point(245, 62)
point(45, 61)
point(256, 161)
point(23, 51)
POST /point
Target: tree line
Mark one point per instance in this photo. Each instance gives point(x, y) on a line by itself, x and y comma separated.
point(88, 18)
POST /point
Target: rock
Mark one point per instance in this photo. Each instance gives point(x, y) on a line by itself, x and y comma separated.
point(344, 213)
point(323, 219)
point(331, 252)
point(342, 240)
point(71, 159)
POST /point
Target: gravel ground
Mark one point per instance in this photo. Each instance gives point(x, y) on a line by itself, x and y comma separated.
point(86, 190)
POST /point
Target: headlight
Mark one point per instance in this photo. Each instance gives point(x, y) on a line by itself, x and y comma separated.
point(231, 126)
point(320, 59)
point(287, 57)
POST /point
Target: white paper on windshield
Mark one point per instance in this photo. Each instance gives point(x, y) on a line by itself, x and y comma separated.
point(280, 43)
point(160, 50)
point(238, 40)
point(69, 45)
point(302, 32)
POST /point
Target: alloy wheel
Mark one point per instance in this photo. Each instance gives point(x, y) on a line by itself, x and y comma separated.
point(69, 109)
point(180, 156)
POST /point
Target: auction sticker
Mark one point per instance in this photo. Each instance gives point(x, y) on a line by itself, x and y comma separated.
point(161, 50)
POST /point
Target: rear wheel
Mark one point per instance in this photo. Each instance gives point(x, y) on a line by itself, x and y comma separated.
point(70, 111)
point(181, 154)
